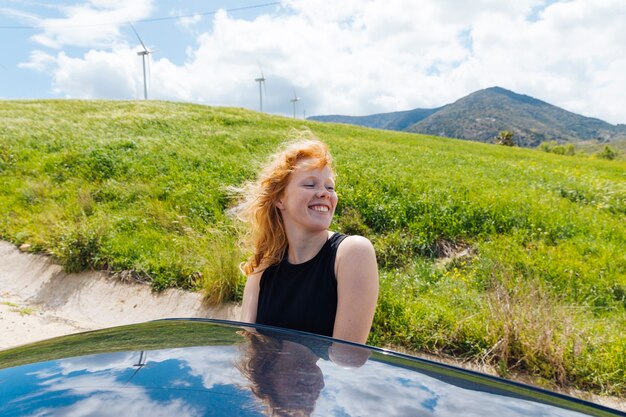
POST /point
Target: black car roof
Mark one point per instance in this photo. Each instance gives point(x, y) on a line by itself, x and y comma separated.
point(215, 367)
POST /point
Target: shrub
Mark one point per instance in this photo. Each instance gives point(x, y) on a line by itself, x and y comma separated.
point(531, 331)
point(79, 249)
point(505, 138)
point(607, 153)
point(223, 281)
point(554, 147)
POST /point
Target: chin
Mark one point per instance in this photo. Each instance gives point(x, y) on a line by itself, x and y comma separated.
point(320, 227)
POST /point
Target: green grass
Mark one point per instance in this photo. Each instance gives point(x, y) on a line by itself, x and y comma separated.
point(141, 187)
point(9, 303)
point(23, 311)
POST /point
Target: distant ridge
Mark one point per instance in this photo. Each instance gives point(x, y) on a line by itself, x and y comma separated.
point(399, 120)
point(480, 116)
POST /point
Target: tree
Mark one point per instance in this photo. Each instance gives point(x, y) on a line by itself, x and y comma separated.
point(505, 138)
point(607, 153)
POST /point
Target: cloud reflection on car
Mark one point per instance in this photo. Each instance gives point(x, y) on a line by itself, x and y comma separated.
point(238, 371)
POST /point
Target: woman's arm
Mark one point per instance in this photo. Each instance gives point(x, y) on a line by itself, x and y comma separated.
point(250, 298)
point(357, 289)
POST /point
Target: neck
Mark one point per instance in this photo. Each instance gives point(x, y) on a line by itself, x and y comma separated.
point(303, 247)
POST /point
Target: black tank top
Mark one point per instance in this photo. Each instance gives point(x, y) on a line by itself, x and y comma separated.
point(302, 296)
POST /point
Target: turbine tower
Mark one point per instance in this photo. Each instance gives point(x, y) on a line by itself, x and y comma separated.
point(294, 100)
point(261, 81)
point(145, 53)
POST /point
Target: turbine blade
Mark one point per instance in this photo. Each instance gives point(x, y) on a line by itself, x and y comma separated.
point(139, 37)
point(260, 70)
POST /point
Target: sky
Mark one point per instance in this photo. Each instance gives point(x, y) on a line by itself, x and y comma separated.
point(351, 57)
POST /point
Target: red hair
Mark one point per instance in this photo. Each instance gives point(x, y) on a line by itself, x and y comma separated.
point(266, 237)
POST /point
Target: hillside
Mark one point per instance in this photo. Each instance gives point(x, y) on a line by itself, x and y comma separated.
point(481, 115)
point(507, 256)
point(400, 120)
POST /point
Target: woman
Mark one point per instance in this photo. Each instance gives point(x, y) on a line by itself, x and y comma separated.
point(301, 275)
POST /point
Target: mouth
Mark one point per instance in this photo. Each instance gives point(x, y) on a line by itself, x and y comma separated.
point(320, 208)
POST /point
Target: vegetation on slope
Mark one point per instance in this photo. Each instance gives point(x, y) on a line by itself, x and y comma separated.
point(503, 255)
point(617, 149)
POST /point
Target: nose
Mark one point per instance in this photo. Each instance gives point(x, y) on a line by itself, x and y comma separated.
point(323, 193)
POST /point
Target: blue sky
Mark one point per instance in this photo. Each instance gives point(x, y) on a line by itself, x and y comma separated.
point(351, 57)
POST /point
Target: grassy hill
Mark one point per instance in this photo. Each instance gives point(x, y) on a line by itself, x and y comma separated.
point(508, 256)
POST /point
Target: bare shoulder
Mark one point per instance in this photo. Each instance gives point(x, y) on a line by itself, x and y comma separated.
point(355, 253)
point(355, 246)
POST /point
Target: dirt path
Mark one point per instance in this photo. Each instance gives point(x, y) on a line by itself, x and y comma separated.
point(39, 301)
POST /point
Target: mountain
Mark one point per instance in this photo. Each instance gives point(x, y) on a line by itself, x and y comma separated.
point(481, 115)
point(399, 120)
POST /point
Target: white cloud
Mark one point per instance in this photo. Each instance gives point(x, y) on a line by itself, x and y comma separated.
point(186, 19)
point(99, 74)
point(111, 398)
point(559, 58)
point(39, 61)
point(362, 57)
point(20, 15)
point(95, 23)
point(402, 392)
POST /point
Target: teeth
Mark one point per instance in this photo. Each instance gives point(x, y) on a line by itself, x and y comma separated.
point(319, 208)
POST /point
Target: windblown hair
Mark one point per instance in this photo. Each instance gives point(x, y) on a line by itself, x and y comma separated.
point(266, 237)
point(259, 355)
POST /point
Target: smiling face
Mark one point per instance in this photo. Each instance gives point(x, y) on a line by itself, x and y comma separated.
point(309, 199)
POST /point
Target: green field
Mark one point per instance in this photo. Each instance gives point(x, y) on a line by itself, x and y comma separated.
point(508, 256)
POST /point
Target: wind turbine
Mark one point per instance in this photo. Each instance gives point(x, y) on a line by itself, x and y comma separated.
point(261, 81)
point(294, 100)
point(139, 365)
point(143, 55)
